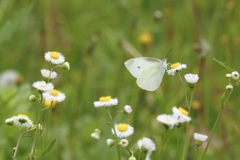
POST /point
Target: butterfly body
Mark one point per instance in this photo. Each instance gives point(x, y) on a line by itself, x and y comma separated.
point(149, 71)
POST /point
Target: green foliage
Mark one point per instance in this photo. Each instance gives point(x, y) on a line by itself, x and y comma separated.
point(90, 35)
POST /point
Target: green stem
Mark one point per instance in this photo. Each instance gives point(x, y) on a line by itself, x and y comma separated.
point(215, 124)
point(17, 145)
point(167, 137)
point(196, 153)
point(31, 156)
point(223, 103)
point(185, 93)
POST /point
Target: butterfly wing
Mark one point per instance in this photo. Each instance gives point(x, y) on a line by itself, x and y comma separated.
point(148, 71)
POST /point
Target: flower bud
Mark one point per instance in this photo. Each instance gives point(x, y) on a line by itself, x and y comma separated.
point(66, 65)
point(32, 98)
point(96, 134)
point(110, 142)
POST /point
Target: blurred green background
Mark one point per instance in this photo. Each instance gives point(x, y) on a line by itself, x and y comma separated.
point(96, 37)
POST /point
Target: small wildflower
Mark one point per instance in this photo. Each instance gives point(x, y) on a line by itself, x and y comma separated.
point(106, 102)
point(167, 120)
point(145, 38)
point(229, 87)
point(66, 66)
point(49, 74)
point(123, 130)
point(20, 121)
point(176, 67)
point(180, 114)
point(54, 57)
point(191, 78)
point(200, 138)
point(146, 145)
point(110, 142)
point(96, 134)
point(123, 143)
point(42, 86)
point(235, 75)
point(54, 95)
point(127, 109)
point(32, 98)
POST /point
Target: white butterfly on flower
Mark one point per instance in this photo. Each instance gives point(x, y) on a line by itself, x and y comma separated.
point(149, 71)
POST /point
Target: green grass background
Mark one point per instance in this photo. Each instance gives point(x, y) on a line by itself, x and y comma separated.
point(90, 34)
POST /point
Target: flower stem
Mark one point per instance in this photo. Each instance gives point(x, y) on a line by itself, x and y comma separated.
point(17, 145)
point(196, 153)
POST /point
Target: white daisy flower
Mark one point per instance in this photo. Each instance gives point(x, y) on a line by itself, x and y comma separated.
point(191, 78)
point(180, 114)
point(106, 102)
point(176, 67)
point(42, 86)
point(123, 143)
point(146, 144)
point(167, 120)
point(54, 95)
point(123, 130)
point(200, 137)
point(127, 109)
point(20, 121)
point(235, 75)
point(49, 74)
point(54, 57)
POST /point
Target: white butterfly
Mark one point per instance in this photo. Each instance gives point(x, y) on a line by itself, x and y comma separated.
point(149, 71)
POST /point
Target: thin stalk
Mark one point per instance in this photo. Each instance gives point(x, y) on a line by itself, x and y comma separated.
point(185, 93)
point(17, 145)
point(196, 153)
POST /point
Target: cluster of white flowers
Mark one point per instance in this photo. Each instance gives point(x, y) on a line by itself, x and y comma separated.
point(179, 116)
point(47, 88)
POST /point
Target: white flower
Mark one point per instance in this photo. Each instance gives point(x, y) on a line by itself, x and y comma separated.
point(146, 144)
point(106, 102)
point(168, 120)
point(20, 121)
point(180, 114)
point(42, 86)
point(54, 95)
point(10, 78)
point(127, 109)
point(48, 74)
point(228, 75)
point(191, 78)
point(200, 137)
point(123, 130)
point(235, 75)
point(123, 143)
point(176, 67)
point(54, 57)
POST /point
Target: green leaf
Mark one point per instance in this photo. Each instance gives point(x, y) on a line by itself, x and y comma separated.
point(10, 26)
point(49, 148)
point(229, 69)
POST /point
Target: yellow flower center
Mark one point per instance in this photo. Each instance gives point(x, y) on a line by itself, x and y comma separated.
point(104, 99)
point(54, 55)
point(122, 127)
point(145, 38)
point(23, 115)
point(183, 111)
point(175, 65)
point(54, 92)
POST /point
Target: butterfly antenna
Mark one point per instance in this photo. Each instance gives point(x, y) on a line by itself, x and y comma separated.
point(167, 53)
